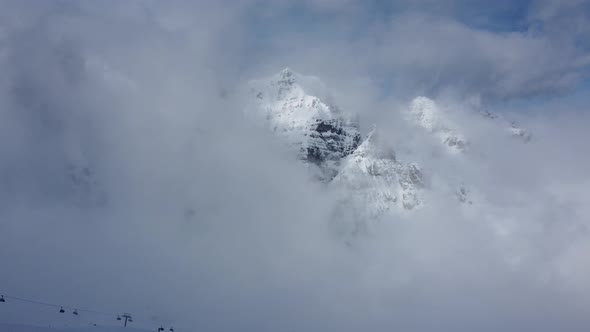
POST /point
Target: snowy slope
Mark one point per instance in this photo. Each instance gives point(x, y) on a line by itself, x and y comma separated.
point(296, 107)
point(425, 113)
point(377, 180)
point(366, 172)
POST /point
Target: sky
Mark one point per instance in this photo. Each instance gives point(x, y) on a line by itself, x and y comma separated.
point(130, 180)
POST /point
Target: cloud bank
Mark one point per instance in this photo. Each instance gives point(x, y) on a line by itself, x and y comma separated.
point(131, 181)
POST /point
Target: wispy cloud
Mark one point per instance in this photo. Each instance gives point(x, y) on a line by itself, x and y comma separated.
point(130, 180)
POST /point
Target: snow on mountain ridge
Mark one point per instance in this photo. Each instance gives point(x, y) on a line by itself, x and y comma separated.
point(369, 174)
point(378, 180)
point(510, 126)
point(425, 113)
point(320, 133)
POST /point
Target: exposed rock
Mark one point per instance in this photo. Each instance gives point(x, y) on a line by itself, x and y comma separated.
point(317, 130)
point(374, 181)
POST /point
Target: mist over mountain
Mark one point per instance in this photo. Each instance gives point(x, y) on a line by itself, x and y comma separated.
point(301, 112)
point(294, 165)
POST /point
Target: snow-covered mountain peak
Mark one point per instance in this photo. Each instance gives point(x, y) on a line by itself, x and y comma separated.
point(289, 99)
point(286, 73)
point(367, 172)
point(321, 135)
point(288, 83)
point(423, 112)
point(285, 82)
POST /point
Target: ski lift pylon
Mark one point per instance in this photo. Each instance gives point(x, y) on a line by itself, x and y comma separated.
point(61, 310)
point(2, 298)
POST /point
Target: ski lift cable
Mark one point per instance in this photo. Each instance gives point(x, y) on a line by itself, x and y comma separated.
point(22, 299)
point(31, 301)
point(136, 318)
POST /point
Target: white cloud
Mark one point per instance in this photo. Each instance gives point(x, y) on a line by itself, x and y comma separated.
point(188, 213)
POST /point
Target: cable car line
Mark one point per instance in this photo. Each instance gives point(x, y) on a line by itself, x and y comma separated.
point(75, 311)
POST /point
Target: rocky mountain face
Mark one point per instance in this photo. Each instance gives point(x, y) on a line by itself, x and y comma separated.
point(320, 133)
point(374, 181)
point(378, 180)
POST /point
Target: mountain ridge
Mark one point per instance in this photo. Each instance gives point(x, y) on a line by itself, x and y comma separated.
point(367, 169)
